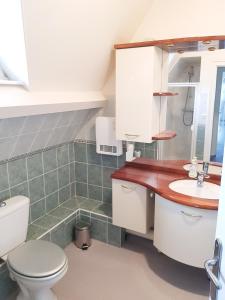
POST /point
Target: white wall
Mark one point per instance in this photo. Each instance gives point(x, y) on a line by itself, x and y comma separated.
point(70, 42)
point(12, 49)
point(181, 18)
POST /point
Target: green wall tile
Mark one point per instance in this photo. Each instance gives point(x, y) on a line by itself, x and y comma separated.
point(89, 204)
point(114, 235)
point(121, 160)
point(34, 165)
point(104, 209)
point(58, 235)
point(64, 194)
point(81, 172)
point(69, 231)
point(107, 180)
point(71, 152)
point(99, 230)
point(95, 192)
point(80, 152)
point(64, 176)
point(4, 195)
point(72, 204)
point(4, 184)
point(72, 189)
point(36, 187)
point(20, 189)
point(95, 175)
point(61, 212)
point(107, 195)
point(85, 219)
point(139, 147)
point(51, 182)
point(37, 210)
point(49, 160)
point(46, 237)
point(81, 189)
point(47, 222)
point(34, 232)
point(17, 171)
point(92, 156)
point(149, 153)
point(52, 201)
point(72, 172)
point(63, 155)
point(109, 161)
point(96, 216)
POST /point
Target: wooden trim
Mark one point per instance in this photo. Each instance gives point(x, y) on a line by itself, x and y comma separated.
point(162, 94)
point(164, 135)
point(174, 44)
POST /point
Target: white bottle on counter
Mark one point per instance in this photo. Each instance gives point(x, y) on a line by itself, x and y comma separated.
point(193, 172)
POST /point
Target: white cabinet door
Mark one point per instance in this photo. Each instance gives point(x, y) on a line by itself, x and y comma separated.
point(184, 233)
point(132, 208)
point(138, 75)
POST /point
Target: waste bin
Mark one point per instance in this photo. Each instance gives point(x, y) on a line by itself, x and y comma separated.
point(82, 235)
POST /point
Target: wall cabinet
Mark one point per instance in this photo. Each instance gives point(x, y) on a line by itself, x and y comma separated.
point(132, 206)
point(184, 233)
point(140, 72)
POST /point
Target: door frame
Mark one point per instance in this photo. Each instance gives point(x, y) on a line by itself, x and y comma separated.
point(209, 64)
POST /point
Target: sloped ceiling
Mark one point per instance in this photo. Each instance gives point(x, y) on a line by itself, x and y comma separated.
point(171, 19)
point(69, 43)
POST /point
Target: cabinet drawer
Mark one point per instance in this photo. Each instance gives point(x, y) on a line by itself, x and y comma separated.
point(184, 233)
point(132, 206)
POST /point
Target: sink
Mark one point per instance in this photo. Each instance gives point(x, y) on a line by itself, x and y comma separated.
point(216, 170)
point(189, 187)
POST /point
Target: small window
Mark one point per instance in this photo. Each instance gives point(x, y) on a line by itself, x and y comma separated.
point(13, 64)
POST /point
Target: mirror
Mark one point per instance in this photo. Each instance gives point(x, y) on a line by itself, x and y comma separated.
point(197, 113)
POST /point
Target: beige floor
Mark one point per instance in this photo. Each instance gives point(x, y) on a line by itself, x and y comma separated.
point(137, 271)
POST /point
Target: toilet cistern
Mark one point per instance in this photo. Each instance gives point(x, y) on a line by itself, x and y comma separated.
point(35, 265)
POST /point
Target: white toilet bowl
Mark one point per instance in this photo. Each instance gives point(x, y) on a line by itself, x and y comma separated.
point(36, 266)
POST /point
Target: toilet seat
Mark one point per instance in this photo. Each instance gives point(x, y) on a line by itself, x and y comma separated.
point(37, 259)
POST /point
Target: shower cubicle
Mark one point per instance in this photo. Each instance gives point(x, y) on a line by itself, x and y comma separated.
point(185, 113)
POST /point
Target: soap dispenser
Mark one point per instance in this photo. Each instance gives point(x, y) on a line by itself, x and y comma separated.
point(193, 172)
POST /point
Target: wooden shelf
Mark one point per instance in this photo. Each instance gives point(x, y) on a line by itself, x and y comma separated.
point(164, 135)
point(160, 94)
point(179, 45)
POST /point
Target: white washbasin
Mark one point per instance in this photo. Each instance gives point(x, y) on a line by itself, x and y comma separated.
point(189, 187)
point(216, 170)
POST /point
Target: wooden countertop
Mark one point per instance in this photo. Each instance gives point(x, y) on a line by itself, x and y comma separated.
point(156, 175)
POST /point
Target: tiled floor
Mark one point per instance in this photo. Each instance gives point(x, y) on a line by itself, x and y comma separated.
point(136, 271)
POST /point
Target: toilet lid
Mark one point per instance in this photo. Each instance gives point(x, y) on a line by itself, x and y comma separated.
point(37, 259)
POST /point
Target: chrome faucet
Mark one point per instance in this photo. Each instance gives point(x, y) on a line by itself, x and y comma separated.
point(2, 203)
point(200, 179)
point(205, 169)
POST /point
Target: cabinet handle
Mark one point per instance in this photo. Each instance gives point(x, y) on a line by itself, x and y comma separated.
point(151, 195)
point(132, 135)
point(191, 215)
point(128, 188)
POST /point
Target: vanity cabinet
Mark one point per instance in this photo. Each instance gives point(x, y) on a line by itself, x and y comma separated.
point(140, 72)
point(132, 206)
point(184, 233)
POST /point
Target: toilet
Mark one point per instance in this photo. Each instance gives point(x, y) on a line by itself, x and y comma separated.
point(35, 265)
